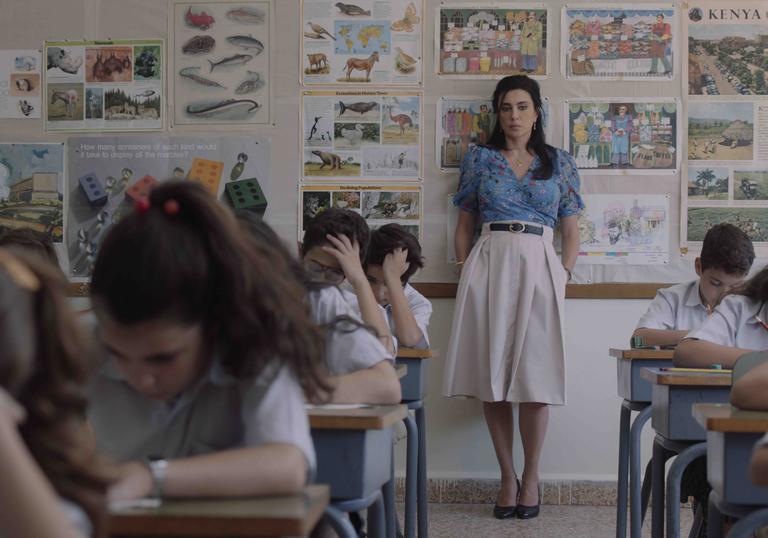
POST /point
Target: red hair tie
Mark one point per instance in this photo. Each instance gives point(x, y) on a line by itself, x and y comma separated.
point(171, 207)
point(141, 205)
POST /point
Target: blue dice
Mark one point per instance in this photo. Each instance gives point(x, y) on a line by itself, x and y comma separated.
point(93, 189)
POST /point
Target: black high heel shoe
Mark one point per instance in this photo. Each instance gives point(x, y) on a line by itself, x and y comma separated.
point(528, 512)
point(507, 512)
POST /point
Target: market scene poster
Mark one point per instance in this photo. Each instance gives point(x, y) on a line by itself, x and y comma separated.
point(637, 136)
point(616, 42)
point(104, 85)
point(221, 62)
point(726, 44)
point(484, 40)
point(366, 43)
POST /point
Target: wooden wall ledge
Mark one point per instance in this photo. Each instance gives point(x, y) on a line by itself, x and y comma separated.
point(447, 290)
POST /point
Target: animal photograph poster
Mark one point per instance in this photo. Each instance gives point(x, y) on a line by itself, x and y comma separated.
point(378, 204)
point(104, 85)
point(358, 135)
point(486, 40)
point(376, 42)
point(624, 229)
point(726, 45)
point(20, 83)
point(627, 136)
point(32, 188)
point(463, 121)
point(107, 175)
point(616, 42)
point(221, 62)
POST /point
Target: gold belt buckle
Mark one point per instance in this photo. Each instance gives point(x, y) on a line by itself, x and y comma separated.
point(516, 227)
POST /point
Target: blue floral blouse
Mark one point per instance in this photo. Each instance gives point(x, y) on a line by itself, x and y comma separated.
point(488, 186)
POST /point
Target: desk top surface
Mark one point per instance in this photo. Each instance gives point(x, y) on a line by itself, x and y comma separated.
point(410, 353)
point(401, 370)
point(641, 354)
point(727, 418)
point(367, 417)
point(293, 515)
point(658, 376)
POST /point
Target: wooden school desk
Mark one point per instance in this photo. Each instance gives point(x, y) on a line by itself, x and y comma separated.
point(354, 456)
point(677, 432)
point(731, 436)
point(414, 391)
point(636, 394)
point(293, 515)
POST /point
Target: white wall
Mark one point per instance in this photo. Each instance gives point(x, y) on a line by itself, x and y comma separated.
point(582, 440)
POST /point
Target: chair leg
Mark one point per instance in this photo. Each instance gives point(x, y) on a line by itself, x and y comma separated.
point(411, 472)
point(623, 476)
point(423, 508)
point(339, 522)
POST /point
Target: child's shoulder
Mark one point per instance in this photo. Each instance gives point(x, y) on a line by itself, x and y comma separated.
point(329, 302)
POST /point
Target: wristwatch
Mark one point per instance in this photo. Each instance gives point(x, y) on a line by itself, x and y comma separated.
point(158, 468)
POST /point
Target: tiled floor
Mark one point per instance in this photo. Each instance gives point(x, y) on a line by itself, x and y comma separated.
point(476, 521)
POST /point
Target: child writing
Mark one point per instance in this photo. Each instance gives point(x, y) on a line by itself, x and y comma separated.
point(394, 255)
point(726, 257)
point(53, 482)
point(359, 368)
point(211, 355)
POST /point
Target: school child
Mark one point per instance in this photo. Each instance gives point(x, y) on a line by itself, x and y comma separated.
point(31, 241)
point(359, 368)
point(211, 355)
point(749, 392)
point(333, 249)
point(394, 255)
point(53, 482)
point(737, 326)
point(726, 257)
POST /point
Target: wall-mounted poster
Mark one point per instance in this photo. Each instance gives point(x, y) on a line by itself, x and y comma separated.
point(221, 62)
point(106, 176)
point(362, 134)
point(491, 39)
point(377, 42)
point(20, 83)
point(463, 121)
point(32, 188)
point(378, 204)
point(624, 229)
point(721, 131)
point(726, 45)
point(104, 85)
point(616, 42)
point(624, 136)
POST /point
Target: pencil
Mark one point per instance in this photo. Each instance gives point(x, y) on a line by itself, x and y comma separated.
point(705, 370)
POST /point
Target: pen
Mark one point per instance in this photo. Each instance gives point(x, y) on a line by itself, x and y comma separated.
point(761, 322)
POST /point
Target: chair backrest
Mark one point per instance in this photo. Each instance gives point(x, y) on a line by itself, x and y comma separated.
point(746, 362)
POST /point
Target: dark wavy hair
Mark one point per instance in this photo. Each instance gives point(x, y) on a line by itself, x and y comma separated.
point(385, 239)
point(44, 365)
point(336, 221)
point(31, 240)
point(536, 143)
point(197, 266)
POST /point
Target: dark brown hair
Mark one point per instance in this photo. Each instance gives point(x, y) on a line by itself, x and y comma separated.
point(385, 239)
point(728, 248)
point(31, 240)
point(195, 265)
point(43, 365)
point(336, 221)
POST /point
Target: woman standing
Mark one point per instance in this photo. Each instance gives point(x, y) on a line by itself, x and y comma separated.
point(507, 338)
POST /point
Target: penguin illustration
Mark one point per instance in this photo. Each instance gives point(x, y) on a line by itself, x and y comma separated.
point(237, 170)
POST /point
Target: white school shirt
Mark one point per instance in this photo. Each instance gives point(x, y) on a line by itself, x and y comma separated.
point(733, 324)
point(349, 347)
point(218, 413)
point(421, 309)
point(676, 308)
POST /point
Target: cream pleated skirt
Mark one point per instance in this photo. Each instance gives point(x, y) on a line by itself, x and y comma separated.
point(507, 340)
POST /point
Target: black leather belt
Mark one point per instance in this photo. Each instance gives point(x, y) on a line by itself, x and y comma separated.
point(516, 228)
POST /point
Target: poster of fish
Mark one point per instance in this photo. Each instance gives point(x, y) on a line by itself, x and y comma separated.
point(624, 136)
point(491, 40)
point(624, 229)
point(104, 85)
point(379, 204)
point(20, 83)
point(366, 42)
point(32, 188)
point(107, 175)
point(354, 135)
point(618, 42)
point(221, 62)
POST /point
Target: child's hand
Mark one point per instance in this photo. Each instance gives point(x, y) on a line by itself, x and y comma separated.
point(135, 482)
point(10, 409)
point(348, 255)
point(395, 264)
